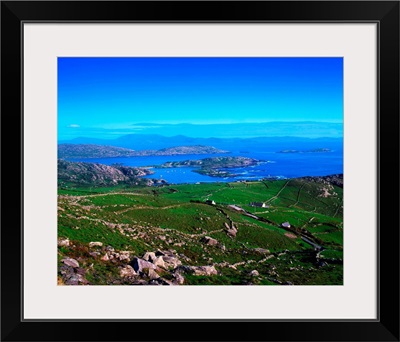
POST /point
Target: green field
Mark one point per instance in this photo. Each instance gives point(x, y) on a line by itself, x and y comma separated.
point(175, 219)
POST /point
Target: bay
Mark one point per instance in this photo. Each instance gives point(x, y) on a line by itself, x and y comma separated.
point(273, 164)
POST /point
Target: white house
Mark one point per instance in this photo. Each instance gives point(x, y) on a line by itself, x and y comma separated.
point(259, 204)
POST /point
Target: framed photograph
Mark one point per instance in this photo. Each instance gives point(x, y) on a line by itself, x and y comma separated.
point(195, 163)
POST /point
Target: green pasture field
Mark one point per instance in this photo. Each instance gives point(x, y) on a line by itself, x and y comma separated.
point(142, 219)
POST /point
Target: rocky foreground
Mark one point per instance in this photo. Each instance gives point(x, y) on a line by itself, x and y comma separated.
point(153, 268)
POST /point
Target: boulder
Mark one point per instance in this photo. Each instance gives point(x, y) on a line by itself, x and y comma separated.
point(254, 273)
point(80, 270)
point(209, 241)
point(262, 250)
point(127, 271)
point(171, 262)
point(95, 243)
point(72, 281)
point(155, 258)
point(66, 271)
point(179, 280)
point(149, 256)
point(232, 232)
point(105, 257)
point(159, 253)
point(76, 279)
point(159, 262)
point(110, 249)
point(70, 262)
point(63, 242)
point(153, 274)
point(124, 255)
point(204, 270)
point(140, 264)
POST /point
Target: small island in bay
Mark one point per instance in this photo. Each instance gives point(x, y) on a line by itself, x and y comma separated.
point(214, 167)
point(316, 150)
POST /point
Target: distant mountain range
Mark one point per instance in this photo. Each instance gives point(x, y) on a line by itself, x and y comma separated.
point(106, 151)
point(158, 142)
point(303, 129)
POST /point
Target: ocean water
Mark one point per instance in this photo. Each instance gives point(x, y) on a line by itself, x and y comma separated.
point(273, 164)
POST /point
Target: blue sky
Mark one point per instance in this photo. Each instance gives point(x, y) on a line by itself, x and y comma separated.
point(109, 97)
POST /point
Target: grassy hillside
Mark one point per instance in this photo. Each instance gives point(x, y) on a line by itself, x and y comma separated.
point(190, 234)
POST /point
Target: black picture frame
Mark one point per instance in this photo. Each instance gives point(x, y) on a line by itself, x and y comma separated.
point(15, 328)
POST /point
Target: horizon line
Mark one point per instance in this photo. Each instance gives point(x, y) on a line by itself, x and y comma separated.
point(211, 137)
point(233, 123)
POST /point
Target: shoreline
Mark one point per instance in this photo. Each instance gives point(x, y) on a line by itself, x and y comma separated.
point(272, 178)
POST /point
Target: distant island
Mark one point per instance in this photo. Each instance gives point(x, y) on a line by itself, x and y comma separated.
point(316, 150)
point(213, 167)
point(66, 151)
